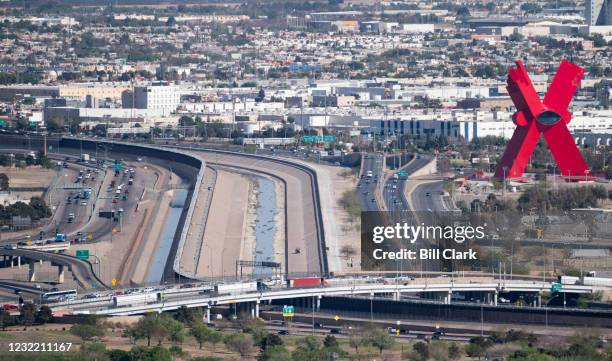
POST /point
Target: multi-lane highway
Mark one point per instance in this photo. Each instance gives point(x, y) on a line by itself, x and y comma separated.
point(370, 181)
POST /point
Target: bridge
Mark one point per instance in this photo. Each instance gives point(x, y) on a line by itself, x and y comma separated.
point(168, 301)
point(81, 270)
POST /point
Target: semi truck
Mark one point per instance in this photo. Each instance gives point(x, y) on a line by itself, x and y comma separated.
point(136, 299)
point(304, 282)
point(85, 157)
point(235, 288)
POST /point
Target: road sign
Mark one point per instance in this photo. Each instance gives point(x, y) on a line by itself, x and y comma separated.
point(556, 287)
point(82, 254)
point(288, 311)
point(114, 282)
point(318, 138)
point(336, 317)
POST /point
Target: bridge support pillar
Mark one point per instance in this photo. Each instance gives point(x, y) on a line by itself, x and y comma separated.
point(31, 271)
point(19, 261)
point(396, 296)
point(257, 309)
point(11, 261)
point(318, 307)
point(447, 298)
point(207, 314)
point(60, 273)
point(495, 298)
point(539, 300)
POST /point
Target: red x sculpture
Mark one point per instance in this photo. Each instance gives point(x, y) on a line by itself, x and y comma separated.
point(549, 117)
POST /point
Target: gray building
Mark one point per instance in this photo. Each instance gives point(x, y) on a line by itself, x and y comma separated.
point(598, 12)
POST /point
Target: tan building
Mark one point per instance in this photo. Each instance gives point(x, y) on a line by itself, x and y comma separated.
point(98, 91)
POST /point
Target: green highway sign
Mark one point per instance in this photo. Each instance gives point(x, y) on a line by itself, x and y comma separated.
point(402, 173)
point(288, 311)
point(82, 254)
point(318, 138)
point(556, 287)
point(117, 166)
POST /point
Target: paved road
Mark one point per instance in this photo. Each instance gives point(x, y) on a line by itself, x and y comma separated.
point(368, 187)
point(81, 270)
point(428, 197)
point(393, 193)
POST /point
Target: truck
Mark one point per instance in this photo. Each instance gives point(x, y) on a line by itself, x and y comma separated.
point(135, 299)
point(569, 280)
point(597, 281)
point(106, 214)
point(304, 282)
point(85, 157)
point(60, 237)
point(235, 288)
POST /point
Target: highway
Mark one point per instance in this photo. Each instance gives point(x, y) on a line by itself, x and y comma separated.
point(189, 298)
point(393, 193)
point(428, 197)
point(81, 270)
point(369, 187)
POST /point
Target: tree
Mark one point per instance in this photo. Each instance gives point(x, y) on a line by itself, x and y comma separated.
point(330, 341)
point(347, 251)
point(174, 329)
point(133, 333)
point(4, 182)
point(27, 314)
point(44, 314)
point(273, 353)
point(150, 326)
point(378, 338)
point(87, 331)
point(270, 340)
point(214, 337)
point(186, 121)
point(150, 353)
point(240, 343)
point(356, 339)
point(421, 351)
point(187, 315)
point(454, 352)
point(309, 349)
point(5, 319)
point(200, 332)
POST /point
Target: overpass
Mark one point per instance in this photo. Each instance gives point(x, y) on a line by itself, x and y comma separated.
point(172, 301)
point(81, 270)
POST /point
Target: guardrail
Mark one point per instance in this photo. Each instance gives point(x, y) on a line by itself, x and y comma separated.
point(343, 290)
point(194, 195)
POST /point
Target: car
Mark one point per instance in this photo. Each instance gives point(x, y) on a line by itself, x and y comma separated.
point(427, 194)
point(335, 331)
point(10, 246)
point(83, 203)
point(283, 332)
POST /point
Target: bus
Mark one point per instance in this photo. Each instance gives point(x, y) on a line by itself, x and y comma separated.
point(57, 296)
